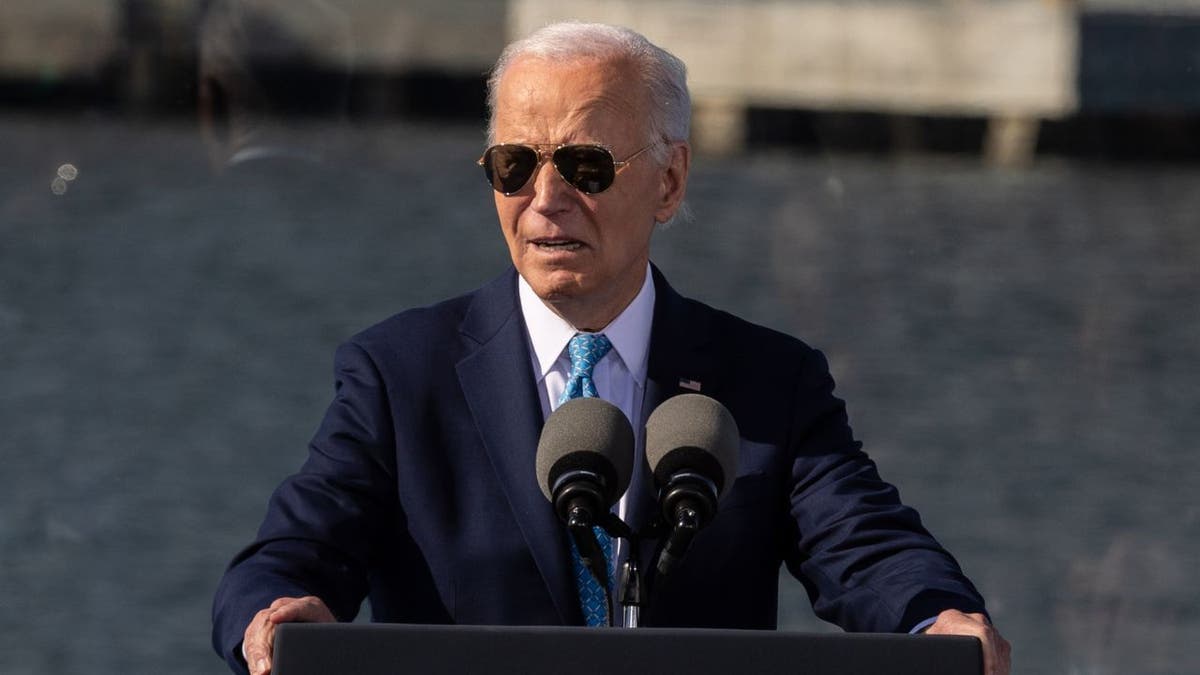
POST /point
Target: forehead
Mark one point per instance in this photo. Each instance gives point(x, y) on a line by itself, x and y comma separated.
point(541, 100)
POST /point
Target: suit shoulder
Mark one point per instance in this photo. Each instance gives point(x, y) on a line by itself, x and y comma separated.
point(439, 328)
point(740, 335)
point(416, 322)
point(420, 333)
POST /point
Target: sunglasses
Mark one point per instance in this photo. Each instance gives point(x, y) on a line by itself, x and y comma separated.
point(588, 168)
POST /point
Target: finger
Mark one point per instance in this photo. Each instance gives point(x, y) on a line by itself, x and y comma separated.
point(954, 622)
point(306, 609)
point(279, 602)
point(264, 661)
point(989, 657)
point(257, 643)
point(995, 647)
point(1003, 655)
point(978, 625)
point(259, 639)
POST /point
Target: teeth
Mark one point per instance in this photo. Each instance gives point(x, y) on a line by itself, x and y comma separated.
point(560, 245)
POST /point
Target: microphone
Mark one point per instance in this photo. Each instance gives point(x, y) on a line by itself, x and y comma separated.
point(692, 448)
point(584, 463)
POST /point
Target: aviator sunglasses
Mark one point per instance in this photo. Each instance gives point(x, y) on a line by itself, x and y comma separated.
point(587, 167)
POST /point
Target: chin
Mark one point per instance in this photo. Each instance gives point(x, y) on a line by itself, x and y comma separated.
point(554, 289)
point(556, 285)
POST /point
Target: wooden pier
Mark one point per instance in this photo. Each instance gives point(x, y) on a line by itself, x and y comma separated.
point(1012, 63)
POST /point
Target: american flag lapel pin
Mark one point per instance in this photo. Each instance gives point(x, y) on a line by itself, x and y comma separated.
point(690, 385)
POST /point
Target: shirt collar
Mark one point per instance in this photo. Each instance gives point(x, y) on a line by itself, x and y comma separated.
point(629, 333)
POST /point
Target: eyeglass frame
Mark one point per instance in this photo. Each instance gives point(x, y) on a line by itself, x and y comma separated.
point(543, 157)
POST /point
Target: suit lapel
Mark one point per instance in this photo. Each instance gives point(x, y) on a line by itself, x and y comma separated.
point(498, 384)
point(680, 338)
point(680, 351)
point(642, 504)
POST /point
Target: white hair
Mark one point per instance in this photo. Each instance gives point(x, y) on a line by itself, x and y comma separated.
point(663, 76)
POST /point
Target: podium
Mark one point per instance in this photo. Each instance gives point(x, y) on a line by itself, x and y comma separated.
point(391, 649)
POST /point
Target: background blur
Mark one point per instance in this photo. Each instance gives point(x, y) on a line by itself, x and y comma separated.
point(986, 213)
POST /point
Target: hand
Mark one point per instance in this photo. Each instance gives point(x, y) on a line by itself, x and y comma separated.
point(997, 652)
point(259, 641)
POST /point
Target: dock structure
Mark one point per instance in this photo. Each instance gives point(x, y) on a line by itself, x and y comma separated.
point(137, 51)
point(1011, 62)
point(53, 38)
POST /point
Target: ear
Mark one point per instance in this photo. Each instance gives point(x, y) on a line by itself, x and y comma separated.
point(674, 181)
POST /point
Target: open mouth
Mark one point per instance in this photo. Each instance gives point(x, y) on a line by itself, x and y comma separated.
point(557, 244)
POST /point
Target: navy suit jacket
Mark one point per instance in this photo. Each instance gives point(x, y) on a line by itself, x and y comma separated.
point(420, 492)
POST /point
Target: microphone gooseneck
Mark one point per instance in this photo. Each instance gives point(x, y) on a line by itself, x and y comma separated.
point(691, 447)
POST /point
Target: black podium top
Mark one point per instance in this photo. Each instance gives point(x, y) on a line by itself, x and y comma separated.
point(371, 649)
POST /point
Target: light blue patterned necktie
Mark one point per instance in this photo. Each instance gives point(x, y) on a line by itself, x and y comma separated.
point(586, 350)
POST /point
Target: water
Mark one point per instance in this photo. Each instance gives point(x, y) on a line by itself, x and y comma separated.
point(1020, 352)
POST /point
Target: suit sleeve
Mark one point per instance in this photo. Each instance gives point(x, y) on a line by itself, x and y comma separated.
point(865, 558)
point(318, 533)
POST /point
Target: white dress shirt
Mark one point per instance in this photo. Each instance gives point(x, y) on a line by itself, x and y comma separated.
point(620, 376)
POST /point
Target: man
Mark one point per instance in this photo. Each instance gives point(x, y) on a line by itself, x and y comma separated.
point(420, 487)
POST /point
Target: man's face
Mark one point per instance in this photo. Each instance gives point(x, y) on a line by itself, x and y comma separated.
point(584, 255)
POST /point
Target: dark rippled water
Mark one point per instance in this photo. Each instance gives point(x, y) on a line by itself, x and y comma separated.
point(1020, 352)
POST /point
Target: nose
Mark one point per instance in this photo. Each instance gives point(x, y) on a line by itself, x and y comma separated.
point(550, 192)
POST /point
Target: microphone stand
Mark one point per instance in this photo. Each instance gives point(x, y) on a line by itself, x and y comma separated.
point(631, 589)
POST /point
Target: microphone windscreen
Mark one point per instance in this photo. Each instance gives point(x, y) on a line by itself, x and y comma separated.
point(692, 432)
point(587, 434)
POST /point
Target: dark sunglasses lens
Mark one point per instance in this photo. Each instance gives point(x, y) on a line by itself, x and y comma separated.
point(587, 167)
point(508, 167)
